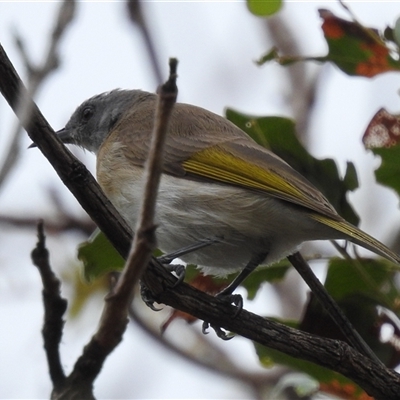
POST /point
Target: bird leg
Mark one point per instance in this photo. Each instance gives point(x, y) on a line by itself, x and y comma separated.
point(179, 269)
point(235, 299)
point(168, 258)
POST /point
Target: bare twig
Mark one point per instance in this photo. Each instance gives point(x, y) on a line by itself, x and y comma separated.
point(331, 307)
point(36, 76)
point(303, 83)
point(117, 305)
point(61, 223)
point(144, 241)
point(137, 18)
point(54, 309)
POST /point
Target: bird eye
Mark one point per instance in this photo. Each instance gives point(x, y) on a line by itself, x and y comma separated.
point(87, 113)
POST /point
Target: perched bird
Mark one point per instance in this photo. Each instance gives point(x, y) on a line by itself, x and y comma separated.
point(217, 185)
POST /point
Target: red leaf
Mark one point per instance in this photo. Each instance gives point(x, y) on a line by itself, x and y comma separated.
point(382, 131)
point(355, 49)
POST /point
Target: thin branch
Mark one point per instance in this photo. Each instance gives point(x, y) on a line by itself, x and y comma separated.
point(137, 17)
point(144, 241)
point(331, 306)
point(61, 223)
point(303, 83)
point(36, 77)
point(54, 309)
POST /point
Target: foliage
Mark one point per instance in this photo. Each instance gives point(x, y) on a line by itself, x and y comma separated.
point(355, 49)
point(264, 8)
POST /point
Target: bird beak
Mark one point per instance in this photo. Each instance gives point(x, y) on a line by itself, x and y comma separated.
point(63, 134)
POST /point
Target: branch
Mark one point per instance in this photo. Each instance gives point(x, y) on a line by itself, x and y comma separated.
point(71, 171)
point(137, 18)
point(114, 319)
point(144, 241)
point(378, 381)
point(54, 309)
point(36, 76)
point(331, 306)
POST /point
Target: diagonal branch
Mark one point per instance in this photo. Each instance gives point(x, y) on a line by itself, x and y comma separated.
point(331, 306)
point(37, 75)
point(71, 171)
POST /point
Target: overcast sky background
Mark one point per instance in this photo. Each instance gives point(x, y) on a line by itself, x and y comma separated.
point(216, 44)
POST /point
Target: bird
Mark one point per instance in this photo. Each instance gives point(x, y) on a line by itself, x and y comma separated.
point(218, 186)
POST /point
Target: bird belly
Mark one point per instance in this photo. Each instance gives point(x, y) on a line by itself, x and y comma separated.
point(246, 223)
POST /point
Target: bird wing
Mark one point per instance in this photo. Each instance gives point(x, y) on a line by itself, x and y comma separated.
point(205, 146)
point(245, 164)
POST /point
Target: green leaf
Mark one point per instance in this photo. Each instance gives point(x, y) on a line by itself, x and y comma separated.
point(264, 8)
point(389, 171)
point(373, 278)
point(278, 134)
point(99, 256)
point(272, 273)
point(358, 286)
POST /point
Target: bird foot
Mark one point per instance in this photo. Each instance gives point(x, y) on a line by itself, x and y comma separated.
point(234, 299)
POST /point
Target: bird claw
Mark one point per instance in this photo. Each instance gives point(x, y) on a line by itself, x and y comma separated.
point(219, 332)
point(236, 300)
point(179, 271)
point(146, 294)
point(147, 297)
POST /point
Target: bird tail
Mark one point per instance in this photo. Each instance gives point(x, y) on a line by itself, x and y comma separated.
point(359, 237)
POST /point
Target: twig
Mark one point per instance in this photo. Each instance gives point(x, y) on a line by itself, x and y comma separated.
point(137, 18)
point(36, 76)
point(61, 223)
point(144, 241)
point(330, 306)
point(303, 88)
point(54, 309)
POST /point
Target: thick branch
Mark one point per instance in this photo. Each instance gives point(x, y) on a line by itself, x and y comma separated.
point(378, 381)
